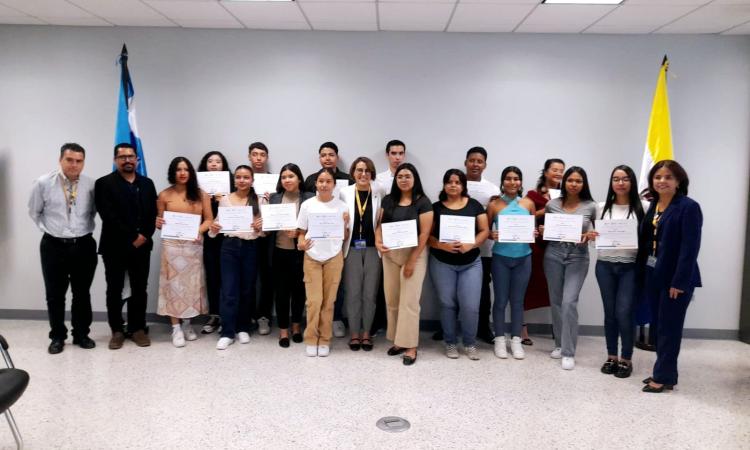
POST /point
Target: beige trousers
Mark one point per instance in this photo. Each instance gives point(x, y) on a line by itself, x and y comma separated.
point(402, 296)
point(321, 283)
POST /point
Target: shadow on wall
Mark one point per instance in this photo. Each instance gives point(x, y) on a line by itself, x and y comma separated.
point(5, 206)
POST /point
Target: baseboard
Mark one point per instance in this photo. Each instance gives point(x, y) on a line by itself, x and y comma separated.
point(425, 325)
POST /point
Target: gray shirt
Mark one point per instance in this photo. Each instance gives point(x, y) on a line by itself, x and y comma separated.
point(62, 208)
point(586, 208)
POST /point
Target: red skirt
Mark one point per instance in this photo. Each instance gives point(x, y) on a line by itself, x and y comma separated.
point(537, 295)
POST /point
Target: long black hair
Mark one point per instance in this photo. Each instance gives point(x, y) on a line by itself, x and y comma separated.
point(416, 192)
point(585, 190)
point(634, 201)
point(541, 182)
point(446, 178)
point(203, 166)
point(192, 192)
point(252, 197)
point(294, 168)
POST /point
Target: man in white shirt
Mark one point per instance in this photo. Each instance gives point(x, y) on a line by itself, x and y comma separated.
point(62, 206)
point(395, 151)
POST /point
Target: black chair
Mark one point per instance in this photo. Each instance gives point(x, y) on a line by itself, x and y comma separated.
point(13, 383)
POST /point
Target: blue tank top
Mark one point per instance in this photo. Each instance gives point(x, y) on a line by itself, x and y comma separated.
point(512, 250)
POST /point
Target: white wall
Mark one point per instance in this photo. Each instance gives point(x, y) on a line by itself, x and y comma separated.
point(524, 97)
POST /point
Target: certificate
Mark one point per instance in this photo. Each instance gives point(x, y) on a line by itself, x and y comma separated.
point(265, 182)
point(553, 193)
point(401, 234)
point(214, 182)
point(457, 228)
point(481, 192)
point(325, 226)
point(563, 227)
point(515, 228)
point(180, 226)
point(279, 217)
point(235, 218)
point(617, 234)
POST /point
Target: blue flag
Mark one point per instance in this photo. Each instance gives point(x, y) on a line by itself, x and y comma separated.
point(127, 130)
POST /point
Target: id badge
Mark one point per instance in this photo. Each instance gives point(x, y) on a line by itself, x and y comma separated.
point(359, 244)
point(651, 261)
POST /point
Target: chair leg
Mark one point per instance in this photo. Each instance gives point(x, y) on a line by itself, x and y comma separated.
point(6, 357)
point(14, 429)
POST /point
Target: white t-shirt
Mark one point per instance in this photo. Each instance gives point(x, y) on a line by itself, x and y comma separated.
point(323, 249)
point(617, 212)
point(486, 249)
point(384, 181)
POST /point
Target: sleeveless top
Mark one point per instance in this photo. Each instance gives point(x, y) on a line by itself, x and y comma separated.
point(512, 250)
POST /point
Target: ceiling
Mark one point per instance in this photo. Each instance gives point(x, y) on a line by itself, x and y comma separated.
point(496, 16)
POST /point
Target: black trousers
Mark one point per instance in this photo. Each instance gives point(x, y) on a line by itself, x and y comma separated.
point(265, 279)
point(290, 287)
point(212, 265)
point(136, 263)
point(68, 262)
point(485, 302)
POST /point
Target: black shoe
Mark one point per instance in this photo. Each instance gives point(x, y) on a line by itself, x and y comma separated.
point(645, 346)
point(355, 344)
point(84, 342)
point(212, 324)
point(284, 342)
point(56, 346)
point(367, 345)
point(393, 351)
point(609, 367)
point(656, 390)
point(438, 335)
point(486, 336)
point(624, 369)
point(408, 360)
point(297, 338)
point(668, 387)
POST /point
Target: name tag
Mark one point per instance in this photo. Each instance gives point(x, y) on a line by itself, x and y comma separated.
point(359, 244)
point(651, 261)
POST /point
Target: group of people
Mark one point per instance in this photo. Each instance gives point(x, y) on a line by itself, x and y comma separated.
point(216, 274)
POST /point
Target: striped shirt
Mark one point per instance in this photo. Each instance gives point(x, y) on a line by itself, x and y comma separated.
point(63, 208)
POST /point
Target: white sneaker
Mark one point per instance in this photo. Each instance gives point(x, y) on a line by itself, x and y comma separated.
point(243, 337)
point(516, 348)
point(568, 363)
point(556, 353)
point(223, 343)
point(178, 337)
point(451, 351)
point(264, 326)
point(501, 349)
point(311, 350)
point(189, 332)
point(339, 330)
point(324, 350)
point(472, 353)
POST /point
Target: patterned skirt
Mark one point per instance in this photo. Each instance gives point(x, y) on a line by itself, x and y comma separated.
point(182, 281)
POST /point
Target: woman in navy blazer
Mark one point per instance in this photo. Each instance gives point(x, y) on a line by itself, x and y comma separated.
point(669, 241)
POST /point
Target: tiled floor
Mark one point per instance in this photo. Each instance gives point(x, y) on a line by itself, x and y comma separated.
point(262, 396)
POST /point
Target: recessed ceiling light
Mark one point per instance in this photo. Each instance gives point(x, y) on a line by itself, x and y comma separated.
point(582, 2)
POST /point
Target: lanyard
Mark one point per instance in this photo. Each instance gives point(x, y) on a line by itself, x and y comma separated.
point(361, 209)
point(72, 190)
point(655, 223)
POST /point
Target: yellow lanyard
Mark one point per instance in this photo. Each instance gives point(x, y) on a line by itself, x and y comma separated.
point(361, 209)
point(655, 223)
point(72, 190)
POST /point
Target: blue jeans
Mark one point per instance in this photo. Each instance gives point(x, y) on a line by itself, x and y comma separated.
point(617, 285)
point(458, 287)
point(239, 265)
point(510, 277)
point(566, 266)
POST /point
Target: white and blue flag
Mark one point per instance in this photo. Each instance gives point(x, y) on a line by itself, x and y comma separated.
point(126, 129)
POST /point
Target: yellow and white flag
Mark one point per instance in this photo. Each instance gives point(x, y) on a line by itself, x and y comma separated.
point(659, 139)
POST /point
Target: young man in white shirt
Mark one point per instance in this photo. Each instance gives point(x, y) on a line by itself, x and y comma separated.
point(395, 151)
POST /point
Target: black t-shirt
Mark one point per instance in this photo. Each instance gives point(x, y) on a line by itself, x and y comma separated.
point(392, 212)
point(368, 230)
point(472, 209)
point(312, 178)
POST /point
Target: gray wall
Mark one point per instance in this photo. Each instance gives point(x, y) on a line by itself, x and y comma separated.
point(524, 97)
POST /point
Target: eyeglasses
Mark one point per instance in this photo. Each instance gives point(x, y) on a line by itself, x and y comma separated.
point(361, 170)
point(617, 180)
point(127, 157)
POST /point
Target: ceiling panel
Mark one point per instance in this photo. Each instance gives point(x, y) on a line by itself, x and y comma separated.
point(740, 29)
point(20, 20)
point(710, 19)
point(268, 15)
point(124, 12)
point(638, 18)
point(47, 8)
point(195, 13)
point(669, 2)
point(341, 16)
point(414, 16)
point(563, 18)
point(488, 17)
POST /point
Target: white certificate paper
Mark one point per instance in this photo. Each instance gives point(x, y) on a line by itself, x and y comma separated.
point(563, 227)
point(515, 228)
point(235, 218)
point(180, 226)
point(401, 234)
point(481, 192)
point(265, 183)
point(457, 228)
point(325, 226)
point(617, 234)
point(279, 217)
point(554, 193)
point(214, 182)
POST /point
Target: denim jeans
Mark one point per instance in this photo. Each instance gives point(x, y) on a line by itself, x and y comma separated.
point(566, 266)
point(239, 265)
point(510, 277)
point(617, 285)
point(458, 287)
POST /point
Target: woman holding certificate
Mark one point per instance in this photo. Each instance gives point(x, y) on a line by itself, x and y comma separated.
point(239, 222)
point(362, 266)
point(670, 238)
point(323, 221)
point(213, 161)
point(290, 289)
point(615, 267)
point(401, 237)
point(514, 229)
point(459, 227)
point(183, 215)
point(567, 221)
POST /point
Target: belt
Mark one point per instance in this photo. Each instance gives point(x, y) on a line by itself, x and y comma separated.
point(67, 241)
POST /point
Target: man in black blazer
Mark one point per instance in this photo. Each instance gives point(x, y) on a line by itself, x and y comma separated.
point(126, 202)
